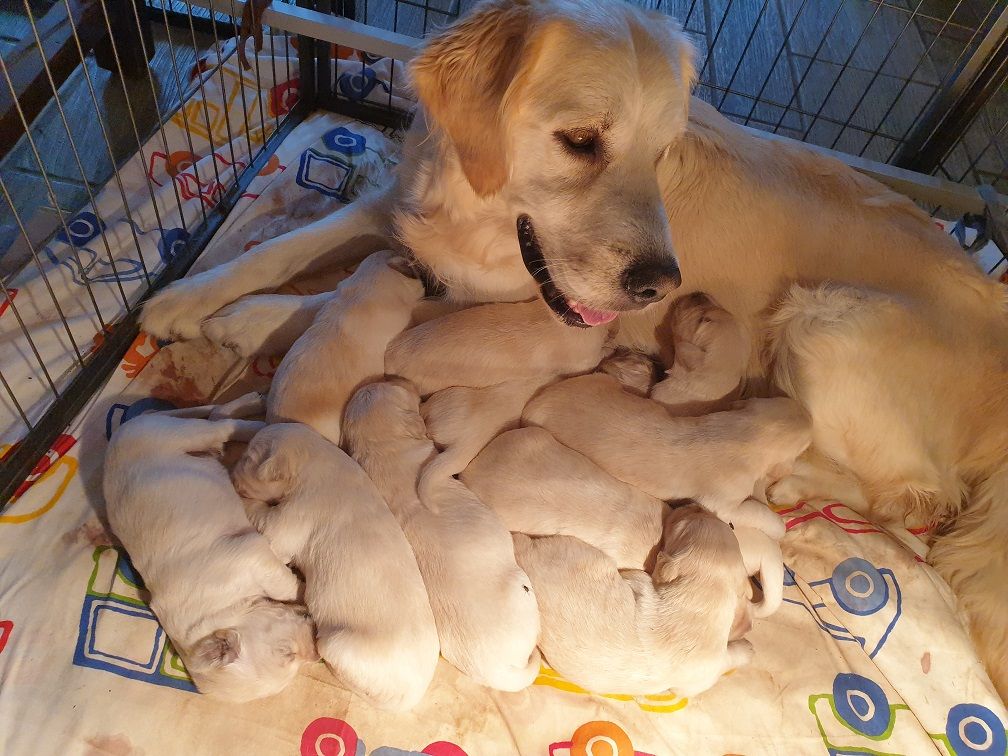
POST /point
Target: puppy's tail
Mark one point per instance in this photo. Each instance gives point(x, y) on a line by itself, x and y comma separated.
point(971, 556)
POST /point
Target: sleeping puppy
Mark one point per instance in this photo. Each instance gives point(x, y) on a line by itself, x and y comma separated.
point(462, 420)
point(375, 627)
point(711, 354)
point(629, 632)
point(486, 612)
point(526, 343)
point(540, 487)
point(345, 346)
point(216, 587)
point(715, 459)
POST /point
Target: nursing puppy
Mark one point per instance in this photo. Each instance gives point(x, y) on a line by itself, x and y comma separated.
point(216, 587)
point(613, 631)
point(528, 344)
point(711, 351)
point(375, 627)
point(345, 346)
point(539, 487)
point(715, 459)
point(486, 612)
point(462, 420)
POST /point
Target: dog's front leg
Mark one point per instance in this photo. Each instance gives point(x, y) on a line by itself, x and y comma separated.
point(264, 324)
point(343, 238)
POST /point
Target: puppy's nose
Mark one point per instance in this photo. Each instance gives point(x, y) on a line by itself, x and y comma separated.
point(648, 282)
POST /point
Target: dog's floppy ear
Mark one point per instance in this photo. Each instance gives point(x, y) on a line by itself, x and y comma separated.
point(220, 648)
point(461, 78)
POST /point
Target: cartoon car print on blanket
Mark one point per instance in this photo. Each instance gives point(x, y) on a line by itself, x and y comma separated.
point(858, 602)
point(328, 736)
point(857, 719)
point(595, 739)
point(118, 632)
point(660, 703)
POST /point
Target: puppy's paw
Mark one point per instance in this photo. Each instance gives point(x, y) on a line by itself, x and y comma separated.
point(637, 372)
point(260, 324)
point(793, 489)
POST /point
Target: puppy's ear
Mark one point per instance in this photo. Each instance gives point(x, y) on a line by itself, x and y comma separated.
point(220, 648)
point(462, 76)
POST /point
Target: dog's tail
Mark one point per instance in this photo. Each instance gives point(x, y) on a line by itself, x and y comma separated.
point(972, 558)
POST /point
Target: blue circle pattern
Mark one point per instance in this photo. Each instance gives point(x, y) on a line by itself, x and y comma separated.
point(343, 140)
point(975, 730)
point(81, 229)
point(173, 241)
point(858, 587)
point(862, 704)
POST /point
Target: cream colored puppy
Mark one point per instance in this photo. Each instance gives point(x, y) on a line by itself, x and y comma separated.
point(483, 603)
point(375, 627)
point(217, 588)
point(527, 343)
point(712, 353)
point(715, 459)
point(613, 631)
point(540, 487)
point(345, 346)
point(462, 420)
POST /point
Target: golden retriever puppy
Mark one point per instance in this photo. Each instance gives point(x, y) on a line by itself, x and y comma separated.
point(712, 352)
point(714, 459)
point(626, 631)
point(481, 346)
point(462, 420)
point(320, 511)
point(345, 346)
point(483, 603)
point(540, 487)
point(219, 591)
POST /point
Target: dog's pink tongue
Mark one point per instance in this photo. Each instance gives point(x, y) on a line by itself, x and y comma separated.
point(592, 317)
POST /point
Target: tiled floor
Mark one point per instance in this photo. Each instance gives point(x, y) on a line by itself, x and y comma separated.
point(850, 74)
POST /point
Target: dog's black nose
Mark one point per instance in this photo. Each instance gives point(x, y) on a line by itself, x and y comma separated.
point(650, 281)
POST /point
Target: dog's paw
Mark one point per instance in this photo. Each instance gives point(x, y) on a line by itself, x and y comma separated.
point(178, 312)
point(259, 324)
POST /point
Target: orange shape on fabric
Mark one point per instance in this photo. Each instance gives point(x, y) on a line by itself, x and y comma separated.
point(55, 464)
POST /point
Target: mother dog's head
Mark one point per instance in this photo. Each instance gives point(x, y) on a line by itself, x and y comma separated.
point(561, 110)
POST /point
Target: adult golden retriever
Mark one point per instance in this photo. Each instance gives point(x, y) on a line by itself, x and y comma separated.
point(558, 153)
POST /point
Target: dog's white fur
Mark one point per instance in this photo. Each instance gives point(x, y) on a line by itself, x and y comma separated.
point(715, 459)
point(500, 86)
point(345, 346)
point(219, 591)
point(528, 344)
point(375, 627)
point(624, 631)
point(711, 355)
point(539, 487)
point(483, 603)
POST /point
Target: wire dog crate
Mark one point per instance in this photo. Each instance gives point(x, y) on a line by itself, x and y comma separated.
point(909, 91)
